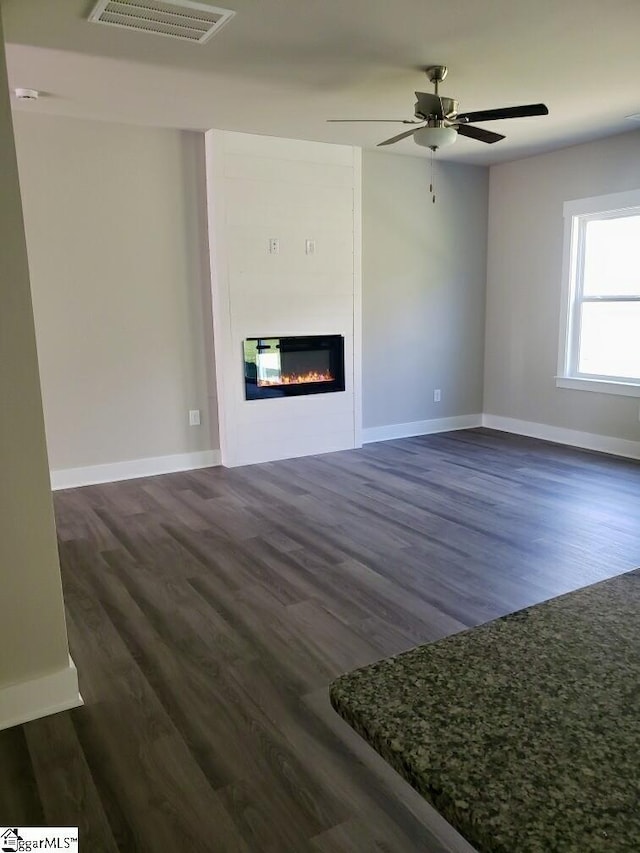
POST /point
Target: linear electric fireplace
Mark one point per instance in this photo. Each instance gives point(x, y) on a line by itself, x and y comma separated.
point(290, 367)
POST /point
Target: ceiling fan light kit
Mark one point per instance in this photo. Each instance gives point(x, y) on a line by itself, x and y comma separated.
point(435, 137)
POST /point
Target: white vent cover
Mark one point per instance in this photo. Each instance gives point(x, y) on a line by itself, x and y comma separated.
point(179, 19)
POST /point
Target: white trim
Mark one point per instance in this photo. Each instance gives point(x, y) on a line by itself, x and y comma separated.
point(357, 298)
point(613, 202)
point(391, 431)
point(602, 386)
point(576, 215)
point(560, 435)
point(70, 478)
point(49, 694)
point(569, 258)
point(220, 301)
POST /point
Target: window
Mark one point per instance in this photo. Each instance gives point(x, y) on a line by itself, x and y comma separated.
point(600, 335)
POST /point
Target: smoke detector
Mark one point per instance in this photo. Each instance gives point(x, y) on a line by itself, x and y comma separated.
point(179, 19)
point(26, 94)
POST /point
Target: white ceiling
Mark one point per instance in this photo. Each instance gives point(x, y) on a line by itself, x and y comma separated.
point(282, 67)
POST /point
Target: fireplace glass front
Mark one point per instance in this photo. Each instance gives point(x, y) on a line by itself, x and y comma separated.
point(290, 367)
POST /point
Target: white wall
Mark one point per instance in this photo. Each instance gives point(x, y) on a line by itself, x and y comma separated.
point(266, 187)
point(424, 268)
point(36, 676)
point(524, 285)
point(116, 234)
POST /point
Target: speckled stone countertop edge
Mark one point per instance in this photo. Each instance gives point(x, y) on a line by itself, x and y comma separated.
point(461, 819)
point(482, 625)
point(436, 797)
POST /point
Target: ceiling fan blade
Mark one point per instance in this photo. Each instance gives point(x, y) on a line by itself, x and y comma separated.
point(385, 120)
point(479, 133)
point(505, 112)
point(429, 105)
point(397, 138)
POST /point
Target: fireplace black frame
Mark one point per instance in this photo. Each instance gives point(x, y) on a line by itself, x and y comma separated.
point(331, 346)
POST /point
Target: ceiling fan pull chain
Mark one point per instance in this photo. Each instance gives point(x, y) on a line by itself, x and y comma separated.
point(432, 185)
point(431, 172)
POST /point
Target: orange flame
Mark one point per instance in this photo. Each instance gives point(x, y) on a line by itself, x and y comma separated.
point(297, 378)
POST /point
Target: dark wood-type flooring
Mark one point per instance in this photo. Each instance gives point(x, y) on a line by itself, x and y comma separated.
point(208, 611)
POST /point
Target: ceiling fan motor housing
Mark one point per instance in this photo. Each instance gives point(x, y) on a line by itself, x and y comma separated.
point(449, 108)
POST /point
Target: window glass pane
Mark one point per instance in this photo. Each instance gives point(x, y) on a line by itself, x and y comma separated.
point(610, 339)
point(612, 257)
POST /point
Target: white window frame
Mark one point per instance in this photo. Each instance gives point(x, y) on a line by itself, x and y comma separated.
point(576, 215)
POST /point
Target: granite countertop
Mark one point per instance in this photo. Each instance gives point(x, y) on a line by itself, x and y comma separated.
point(524, 732)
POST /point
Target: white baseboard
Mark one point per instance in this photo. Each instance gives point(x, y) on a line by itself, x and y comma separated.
point(546, 432)
point(30, 700)
point(386, 433)
point(576, 438)
point(70, 478)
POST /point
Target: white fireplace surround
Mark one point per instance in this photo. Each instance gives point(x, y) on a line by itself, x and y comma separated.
point(261, 189)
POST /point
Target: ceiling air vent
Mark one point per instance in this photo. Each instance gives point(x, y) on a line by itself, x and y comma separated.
point(179, 19)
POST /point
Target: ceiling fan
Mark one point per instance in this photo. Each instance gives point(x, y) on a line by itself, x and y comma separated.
point(440, 122)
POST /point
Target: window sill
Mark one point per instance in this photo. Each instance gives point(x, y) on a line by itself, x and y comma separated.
point(602, 386)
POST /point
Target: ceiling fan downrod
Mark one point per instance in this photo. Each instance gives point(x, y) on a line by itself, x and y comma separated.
point(436, 74)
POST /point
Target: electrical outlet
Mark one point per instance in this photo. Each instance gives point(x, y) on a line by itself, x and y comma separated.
point(436, 395)
point(194, 417)
point(310, 247)
point(274, 246)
